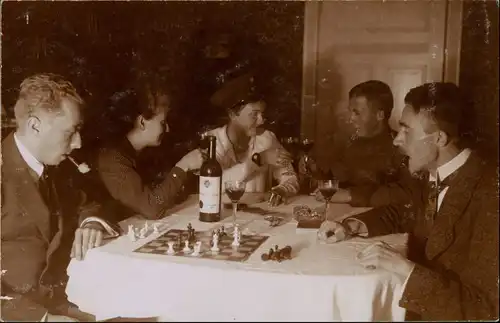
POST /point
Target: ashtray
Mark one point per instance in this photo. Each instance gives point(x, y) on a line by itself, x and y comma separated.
point(273, 220)
point(305, 213)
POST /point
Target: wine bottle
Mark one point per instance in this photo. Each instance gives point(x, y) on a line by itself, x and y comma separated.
point(210, 185)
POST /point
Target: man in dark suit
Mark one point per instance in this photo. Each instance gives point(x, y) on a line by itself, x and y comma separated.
point(40, 215)
point(451, 272)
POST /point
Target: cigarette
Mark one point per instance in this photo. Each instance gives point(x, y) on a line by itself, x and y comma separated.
point(82, 168)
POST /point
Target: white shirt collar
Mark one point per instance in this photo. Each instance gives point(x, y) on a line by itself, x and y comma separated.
point(28, 157)
point(451, 166)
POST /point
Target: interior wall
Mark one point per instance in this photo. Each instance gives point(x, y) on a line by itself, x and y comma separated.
point(100, 46)
point(479, 68)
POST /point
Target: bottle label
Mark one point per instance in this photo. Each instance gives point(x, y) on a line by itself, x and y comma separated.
point(210, 194)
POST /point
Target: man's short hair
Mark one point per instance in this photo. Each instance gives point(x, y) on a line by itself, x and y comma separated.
point(43, 92)
point(377, 93)
point(444, 102)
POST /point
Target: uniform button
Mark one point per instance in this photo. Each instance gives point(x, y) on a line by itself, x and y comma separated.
point(175, 175)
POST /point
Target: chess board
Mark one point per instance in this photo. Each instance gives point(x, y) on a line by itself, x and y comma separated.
point(248, 244)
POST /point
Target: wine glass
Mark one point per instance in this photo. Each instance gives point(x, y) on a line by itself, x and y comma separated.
point(234, 190)
point(327, 188)
point(307, 144)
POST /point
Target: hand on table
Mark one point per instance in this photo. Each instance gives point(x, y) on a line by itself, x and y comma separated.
point(334, 231)
point(278, 195)
point(382, 255)
point(88, 237)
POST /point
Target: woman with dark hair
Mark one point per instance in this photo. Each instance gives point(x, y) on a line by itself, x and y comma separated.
point(137, 119)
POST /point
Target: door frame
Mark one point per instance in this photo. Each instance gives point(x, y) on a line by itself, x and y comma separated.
point(312, 14)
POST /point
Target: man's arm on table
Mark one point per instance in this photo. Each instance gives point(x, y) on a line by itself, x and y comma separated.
point(474, 294)
point(125, 185)
point(382, 221)
point(442, 294)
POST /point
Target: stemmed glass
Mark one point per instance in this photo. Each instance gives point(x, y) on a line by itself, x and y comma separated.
point(327, 188)
point(307, 145)
point(234, 190)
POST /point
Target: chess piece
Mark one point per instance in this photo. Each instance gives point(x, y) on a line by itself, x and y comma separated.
point(276, 254)
point(186, 247)
point(170, 250)
point(236, 240)
point(215, 242)
point(197, 249)
point(155, 228)
point(286, 253)
point(179, 241)
point(236, 230)
point(222, 231)
point(142, 234)
point(131, 233)
point(193, 235)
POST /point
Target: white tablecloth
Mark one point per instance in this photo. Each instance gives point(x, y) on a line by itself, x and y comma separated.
point(321, 282)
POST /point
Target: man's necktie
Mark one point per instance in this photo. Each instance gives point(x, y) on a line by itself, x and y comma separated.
point(47, 190)
point(435, 188)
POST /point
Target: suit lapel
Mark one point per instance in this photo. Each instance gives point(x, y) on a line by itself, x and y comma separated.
point(29, 197)
point(453, 206)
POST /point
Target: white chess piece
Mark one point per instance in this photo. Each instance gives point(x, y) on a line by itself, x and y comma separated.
point(186, 246)
point(215, 242)
point(197, 249)
point(131, 233)
point(170, 250)
point(236, 240)
point(155, 228)
point(142, 233)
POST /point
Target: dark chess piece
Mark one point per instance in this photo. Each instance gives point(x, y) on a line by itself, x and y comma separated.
point(286, 253)
point(275, 254)
point(222, 231)
point(191, 235)
point(179, 241)
point(267, 256)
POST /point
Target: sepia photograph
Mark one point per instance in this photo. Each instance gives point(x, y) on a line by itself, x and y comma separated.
point(313, 161)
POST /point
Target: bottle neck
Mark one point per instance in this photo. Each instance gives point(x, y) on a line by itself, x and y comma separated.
point(212, 149)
